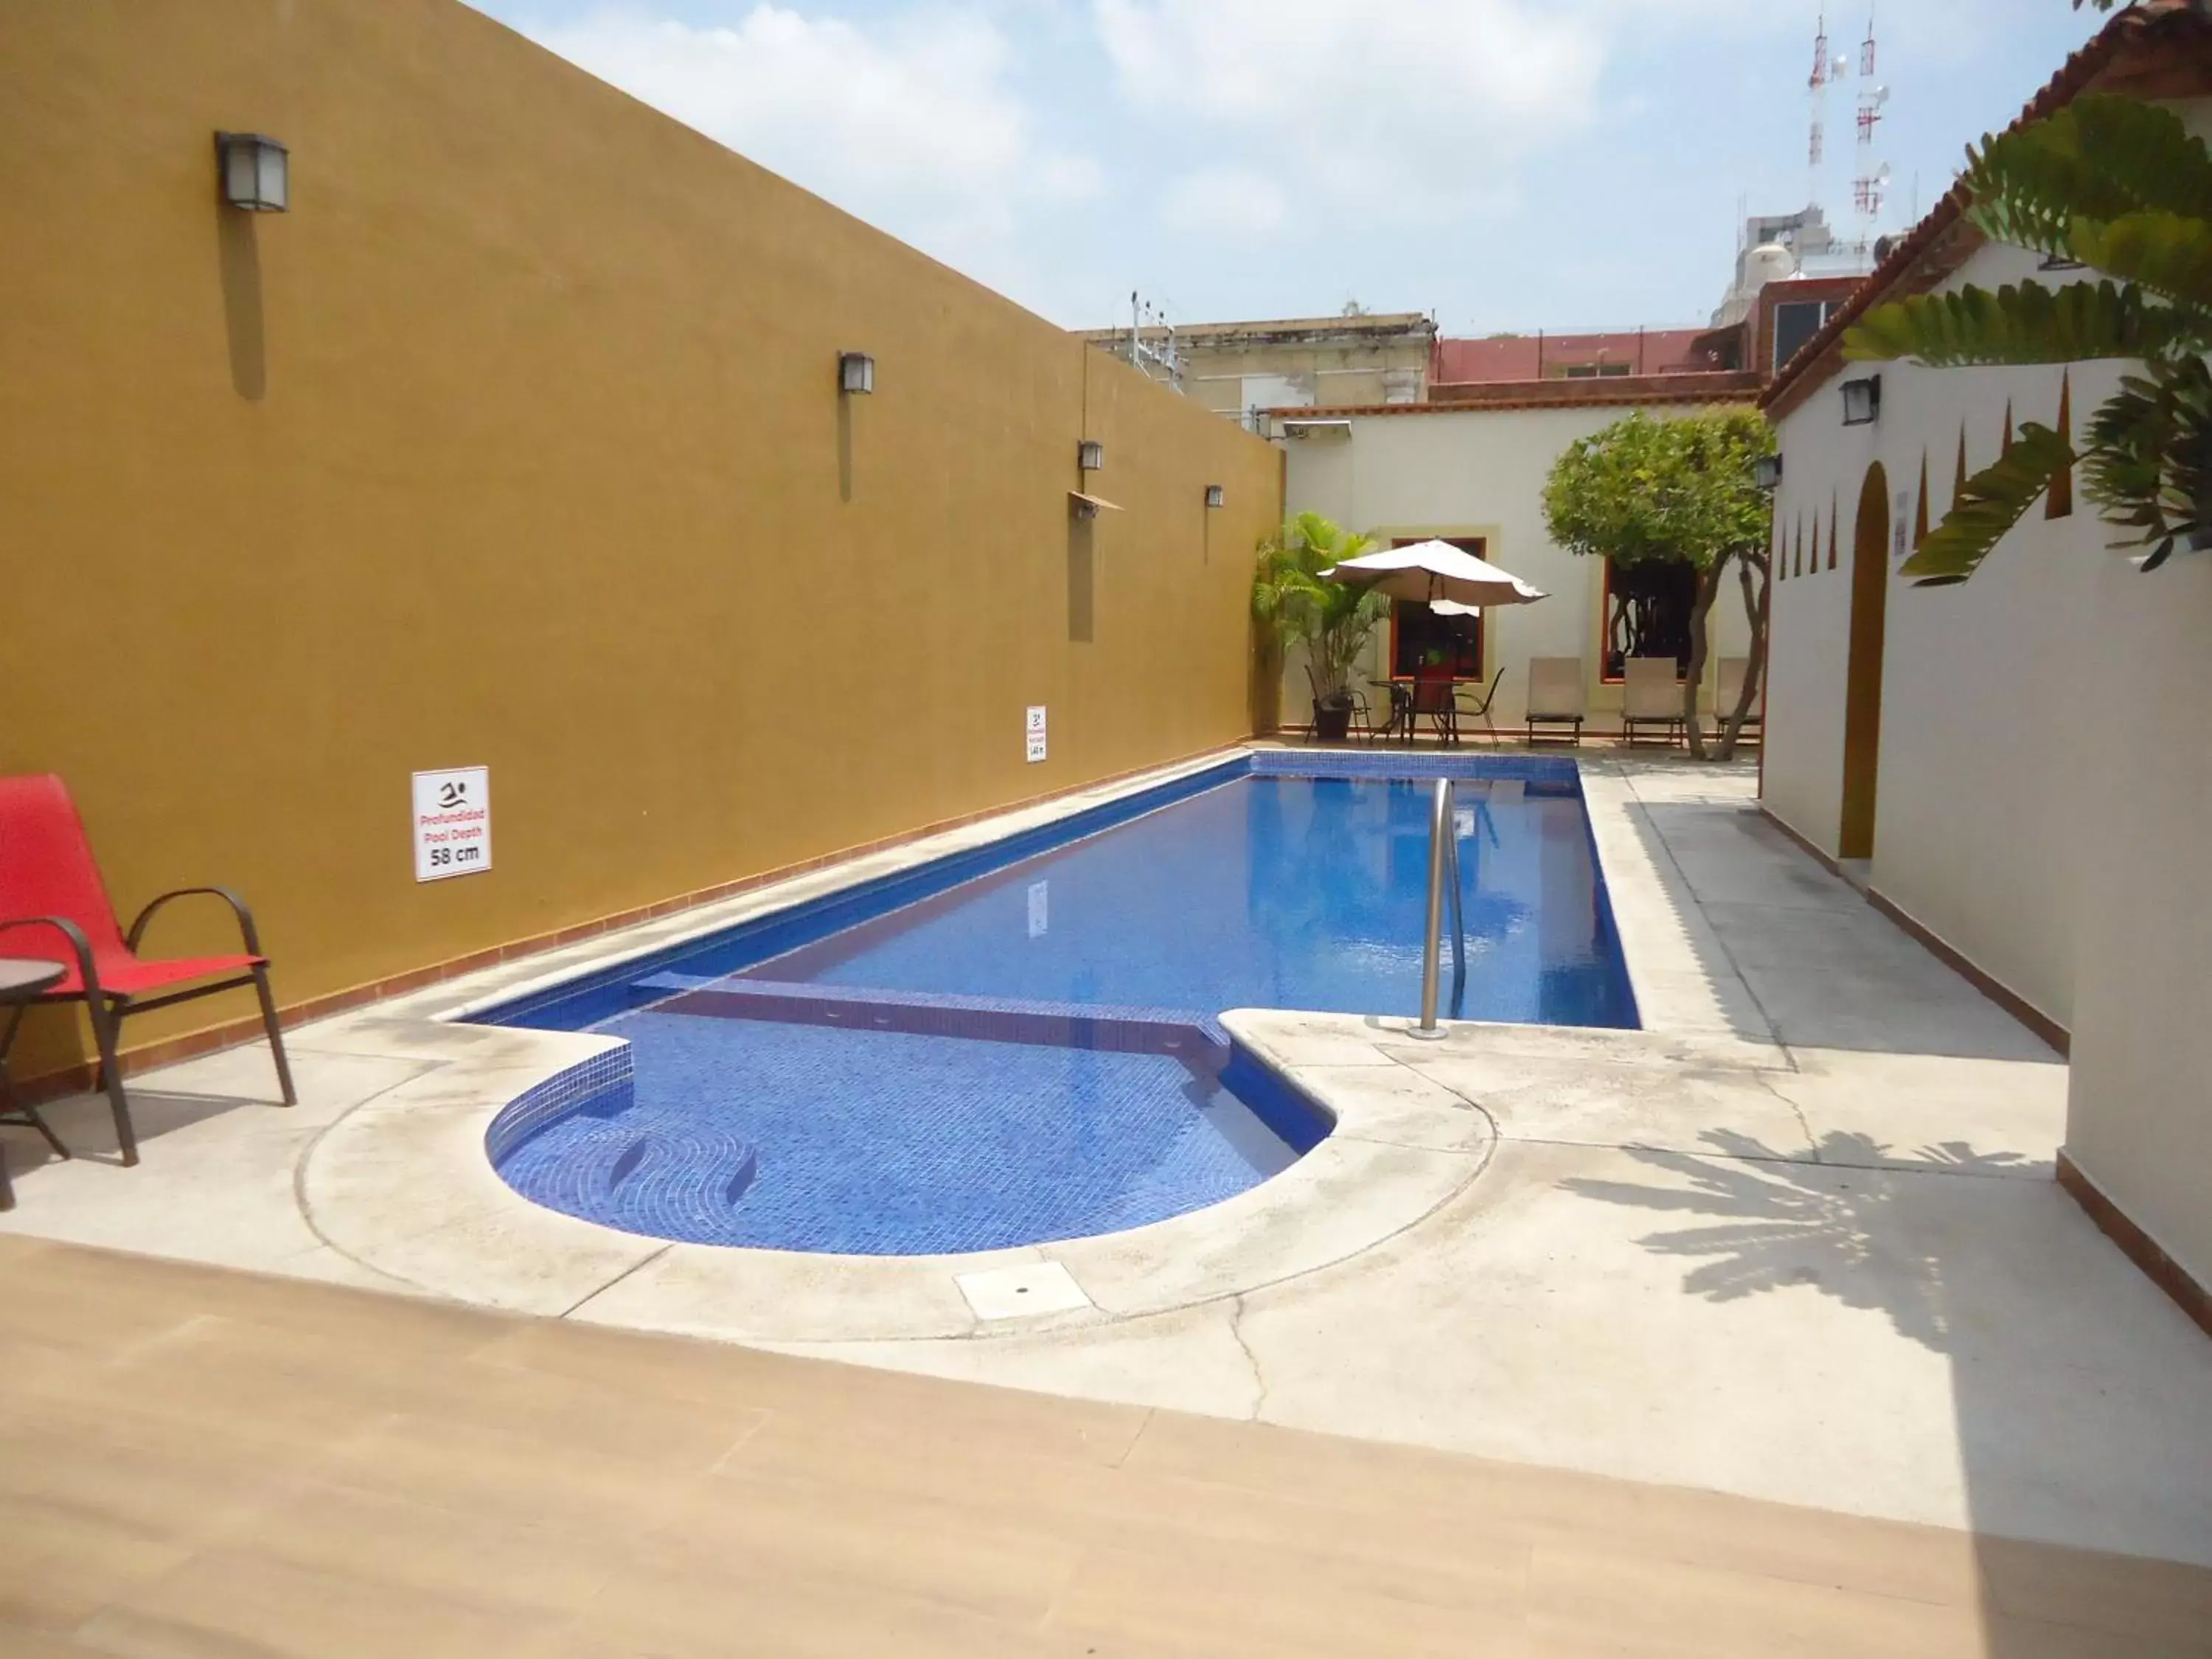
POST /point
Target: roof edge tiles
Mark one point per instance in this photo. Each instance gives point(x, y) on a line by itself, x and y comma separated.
point(1493, 396)
point(1682, 385)
point(2160, 48)
point(1389, 324)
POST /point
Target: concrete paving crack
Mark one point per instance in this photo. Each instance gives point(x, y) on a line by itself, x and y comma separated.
point(1812, 1143)
point(1259, 1377)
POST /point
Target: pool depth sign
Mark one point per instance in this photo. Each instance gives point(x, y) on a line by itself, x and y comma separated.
point(452, 823)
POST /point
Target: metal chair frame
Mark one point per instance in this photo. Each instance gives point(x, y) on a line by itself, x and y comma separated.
point(1481, 710)
point(108, 1009)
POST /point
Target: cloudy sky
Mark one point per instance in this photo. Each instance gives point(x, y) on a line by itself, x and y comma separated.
point(1507, 164)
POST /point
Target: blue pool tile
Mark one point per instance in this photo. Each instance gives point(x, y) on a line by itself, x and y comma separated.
point(1020, 1044)
point(887, 1143)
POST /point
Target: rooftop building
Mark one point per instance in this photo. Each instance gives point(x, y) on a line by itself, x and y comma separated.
point(1545, 355)
point(1240, 368)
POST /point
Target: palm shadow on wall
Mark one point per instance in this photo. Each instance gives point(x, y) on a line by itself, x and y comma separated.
point(1773, 1224)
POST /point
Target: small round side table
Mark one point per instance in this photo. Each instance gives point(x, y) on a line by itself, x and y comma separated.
point(21, 981)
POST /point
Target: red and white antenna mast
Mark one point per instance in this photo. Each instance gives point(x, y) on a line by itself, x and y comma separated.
point(1816, 148)
point(1870, 188)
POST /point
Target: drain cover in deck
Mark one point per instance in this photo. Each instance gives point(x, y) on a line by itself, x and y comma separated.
point(1022, 1292)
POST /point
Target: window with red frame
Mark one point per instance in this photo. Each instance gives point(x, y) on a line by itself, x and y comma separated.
point(1647, 614)
point(1422, 642)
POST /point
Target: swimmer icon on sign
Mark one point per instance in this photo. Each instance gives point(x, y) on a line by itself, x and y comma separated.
point(452, 823)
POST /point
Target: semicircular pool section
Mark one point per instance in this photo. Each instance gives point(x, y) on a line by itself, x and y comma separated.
point(861, 1126)
point(1018, 1045)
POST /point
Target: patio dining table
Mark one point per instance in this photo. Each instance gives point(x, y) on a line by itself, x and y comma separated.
point(1405, 711)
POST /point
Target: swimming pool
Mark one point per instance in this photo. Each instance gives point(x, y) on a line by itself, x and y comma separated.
point(1018, 1045)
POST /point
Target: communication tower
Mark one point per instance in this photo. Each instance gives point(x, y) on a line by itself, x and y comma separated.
point(1870, 187)
point(1158, 357)
point(1871, 175)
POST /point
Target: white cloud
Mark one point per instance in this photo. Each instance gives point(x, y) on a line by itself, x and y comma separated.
point(1225, 201)
point(914, 124)
point(1415, 105)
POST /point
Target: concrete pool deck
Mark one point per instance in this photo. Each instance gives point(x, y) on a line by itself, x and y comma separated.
point(1796, 1240)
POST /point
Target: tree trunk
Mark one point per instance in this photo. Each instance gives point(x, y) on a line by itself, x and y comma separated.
point(1754, 670)
point(1709, 589)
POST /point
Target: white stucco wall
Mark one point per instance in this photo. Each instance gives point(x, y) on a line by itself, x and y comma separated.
point(1479, 472)
point(1801, 770)
point(2045, 782)
point(1982, 688)
point(2139, 1120)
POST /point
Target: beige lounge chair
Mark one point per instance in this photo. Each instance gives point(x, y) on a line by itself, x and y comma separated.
point(1651, 697)
point(1729, 689)
point(1558, 696)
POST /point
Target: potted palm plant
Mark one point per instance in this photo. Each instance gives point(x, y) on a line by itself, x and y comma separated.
point(1332, 620)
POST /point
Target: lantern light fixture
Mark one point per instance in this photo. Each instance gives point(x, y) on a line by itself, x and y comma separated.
point(1090, 454)
point(856, 374)
point(1216, 496)
point(1766, 472)
point(256, 172)
point(1863, 401)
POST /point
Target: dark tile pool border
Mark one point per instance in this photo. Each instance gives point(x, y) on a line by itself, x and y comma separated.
point(1408, 764)
point(603, 1081)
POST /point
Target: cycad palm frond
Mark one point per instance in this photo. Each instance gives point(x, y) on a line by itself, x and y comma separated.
point(2149, 459)
point(2101, 158)
point(2023, 322)
point(2118, 184)
point(2166, 254)
point(1993, 500)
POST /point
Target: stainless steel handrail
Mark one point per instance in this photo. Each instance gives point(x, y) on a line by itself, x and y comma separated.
point(1459, 912)
point(1443, 869)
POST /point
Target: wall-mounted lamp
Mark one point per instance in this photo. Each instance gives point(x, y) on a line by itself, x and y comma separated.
point(1090, 454)
point(1766, 472)
point(1216, 496)
point(1863, 401)
point(256, 172)
point(856, 374)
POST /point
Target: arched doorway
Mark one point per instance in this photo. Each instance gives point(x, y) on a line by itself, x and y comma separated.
point(1863, 683)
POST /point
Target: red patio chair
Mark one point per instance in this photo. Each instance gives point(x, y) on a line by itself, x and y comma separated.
point(53, 906)
point(1435, 695)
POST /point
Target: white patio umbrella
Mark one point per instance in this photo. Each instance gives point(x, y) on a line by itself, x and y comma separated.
point(1433, 571)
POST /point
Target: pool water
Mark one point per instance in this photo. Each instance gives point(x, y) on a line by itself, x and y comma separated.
point(1005, 1052)
point(1270, 892)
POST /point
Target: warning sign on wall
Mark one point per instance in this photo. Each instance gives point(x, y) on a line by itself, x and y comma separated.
point(1034, 734)
point(452, 823)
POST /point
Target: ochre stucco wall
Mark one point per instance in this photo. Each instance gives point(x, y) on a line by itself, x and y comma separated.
point(516, 443)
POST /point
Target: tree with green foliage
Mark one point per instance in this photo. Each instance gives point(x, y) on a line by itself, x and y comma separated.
point(1686, 490)
point(2119, 188)
point(1332, 620)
